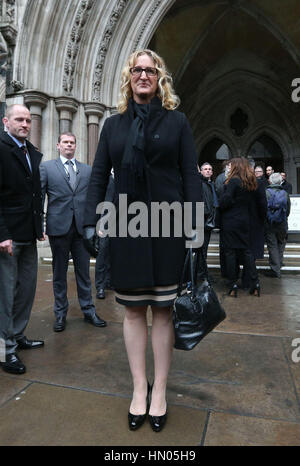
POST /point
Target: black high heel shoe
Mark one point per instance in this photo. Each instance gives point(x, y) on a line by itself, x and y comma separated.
point(135, 421)
point(255, 290)
point(233, 291)
point(157, 422)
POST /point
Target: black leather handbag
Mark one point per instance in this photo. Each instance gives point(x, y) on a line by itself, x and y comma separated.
point(196, 312)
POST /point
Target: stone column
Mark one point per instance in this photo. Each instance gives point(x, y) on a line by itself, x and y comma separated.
point(94, 113)
point(66, 106)
point(3, 59)
point(36, 101)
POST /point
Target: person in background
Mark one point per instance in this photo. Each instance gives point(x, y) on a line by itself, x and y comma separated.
point(269, 171)
point(20, 226)
point(219, 184)
point(279, 205)
point(259, 173)
point(257, 211)
point(210, 209)
point(240, 190)
point(221, 178)
point(285, 184)
point(102, 267)
point(65, 181)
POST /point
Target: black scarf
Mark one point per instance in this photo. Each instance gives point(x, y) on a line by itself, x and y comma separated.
point(133, 162)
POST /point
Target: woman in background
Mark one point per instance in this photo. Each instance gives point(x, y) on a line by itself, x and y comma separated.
point(236, 203)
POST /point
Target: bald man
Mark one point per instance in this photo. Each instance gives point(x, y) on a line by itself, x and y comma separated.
point(20, 226)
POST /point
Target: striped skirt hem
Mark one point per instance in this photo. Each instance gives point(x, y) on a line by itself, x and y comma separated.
point(161, 296)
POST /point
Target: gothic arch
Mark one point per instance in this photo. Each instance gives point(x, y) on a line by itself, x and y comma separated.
point(212, 133)
point(273, 132)
point(252, 11)
point(130, 36)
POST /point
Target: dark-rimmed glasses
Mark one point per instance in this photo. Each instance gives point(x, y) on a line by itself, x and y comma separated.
point(137, 71)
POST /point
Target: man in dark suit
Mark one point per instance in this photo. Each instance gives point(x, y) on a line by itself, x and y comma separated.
point(210, 207)
point(20, 226)
point(65, 181)
point(102, 267)
point(285, 184)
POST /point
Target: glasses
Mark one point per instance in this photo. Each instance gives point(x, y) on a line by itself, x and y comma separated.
point(137, 71)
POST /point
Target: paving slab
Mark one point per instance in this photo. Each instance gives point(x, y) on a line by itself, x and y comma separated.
point(57, 416)
point(231, 430)
point(10, 386)
point(243, 373)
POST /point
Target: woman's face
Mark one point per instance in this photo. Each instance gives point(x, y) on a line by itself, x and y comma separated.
point(143, 86)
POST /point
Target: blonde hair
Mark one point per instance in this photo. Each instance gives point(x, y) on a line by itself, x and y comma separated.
point(165, 90)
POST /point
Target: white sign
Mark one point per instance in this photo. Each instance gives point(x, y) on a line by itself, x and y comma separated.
point(294, 217)
point(2, 350)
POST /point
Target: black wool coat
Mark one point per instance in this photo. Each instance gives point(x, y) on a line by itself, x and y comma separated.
point(170, 175)
point(20, 192)
point(237, 220)
point(258, 213)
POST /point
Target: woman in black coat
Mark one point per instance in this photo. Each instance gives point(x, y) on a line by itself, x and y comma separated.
point(236, 204)
point(150, 147)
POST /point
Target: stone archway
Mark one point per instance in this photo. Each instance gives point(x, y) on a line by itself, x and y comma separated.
point(83, 44)
point(68, 59)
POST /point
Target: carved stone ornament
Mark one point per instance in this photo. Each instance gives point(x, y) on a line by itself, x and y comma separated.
point(3, 55)
point(7, 11)
point(102, 51)
point(74, 43)
point(17, 85)
point(145, 23)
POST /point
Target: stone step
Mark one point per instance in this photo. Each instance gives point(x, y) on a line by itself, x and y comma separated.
point(291, 258)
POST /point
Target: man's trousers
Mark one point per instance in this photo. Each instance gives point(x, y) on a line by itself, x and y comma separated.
point(18, 277)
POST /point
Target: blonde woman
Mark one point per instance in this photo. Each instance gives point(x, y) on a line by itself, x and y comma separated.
point(150, 146)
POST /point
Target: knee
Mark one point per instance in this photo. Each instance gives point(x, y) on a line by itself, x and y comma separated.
point(135, 313)
point(163, 315)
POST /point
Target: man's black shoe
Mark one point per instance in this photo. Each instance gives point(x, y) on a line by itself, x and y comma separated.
point(100, 294)
point(13, 364)
point(271, 273)
point(95, 320)
point(59, 324)
point(24, 343)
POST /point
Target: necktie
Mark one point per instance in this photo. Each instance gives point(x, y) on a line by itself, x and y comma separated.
point(27, 156)
point(72, 174)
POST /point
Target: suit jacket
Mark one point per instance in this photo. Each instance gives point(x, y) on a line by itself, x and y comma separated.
point(20, 192)
point(63, 202)
point(287, 187)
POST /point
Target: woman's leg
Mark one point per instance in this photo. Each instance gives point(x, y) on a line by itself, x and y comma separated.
point(162, 345)
point(231, 266)
point(135, 337)
point(249, 265)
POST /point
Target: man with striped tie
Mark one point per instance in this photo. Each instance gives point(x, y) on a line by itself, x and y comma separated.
point(20, 227)
point(65, 181)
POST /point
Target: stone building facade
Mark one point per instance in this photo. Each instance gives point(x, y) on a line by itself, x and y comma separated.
point(233, 64)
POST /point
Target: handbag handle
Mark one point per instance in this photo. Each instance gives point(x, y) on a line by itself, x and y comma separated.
point(188, 261)
point(194, 266)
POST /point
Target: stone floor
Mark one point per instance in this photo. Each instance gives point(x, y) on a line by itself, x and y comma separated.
point(239, 386)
